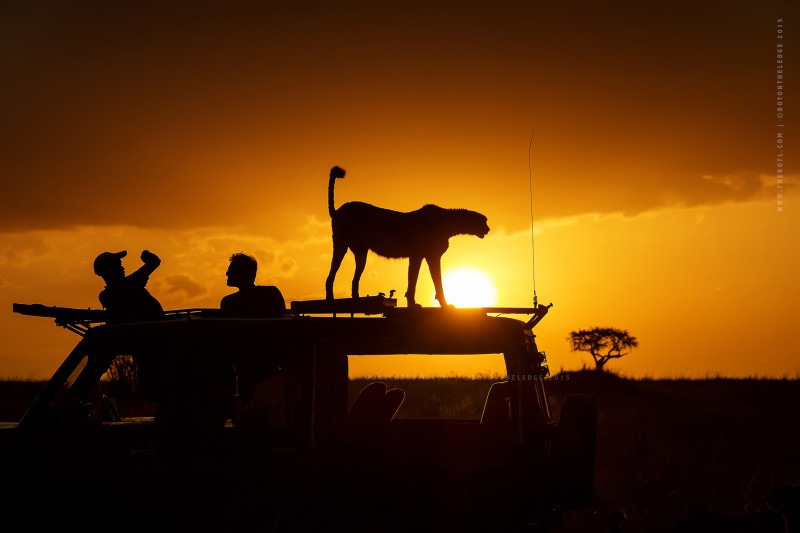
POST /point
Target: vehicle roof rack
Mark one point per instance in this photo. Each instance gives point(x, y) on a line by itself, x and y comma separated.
point(537, 313)
point(80, 321)
point(76, 320)
point(365, 305)
point(380, 305)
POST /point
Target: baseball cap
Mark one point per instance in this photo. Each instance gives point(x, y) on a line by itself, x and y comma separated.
point(107, 259)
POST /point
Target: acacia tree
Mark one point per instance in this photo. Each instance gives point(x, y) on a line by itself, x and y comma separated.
point(603, 344)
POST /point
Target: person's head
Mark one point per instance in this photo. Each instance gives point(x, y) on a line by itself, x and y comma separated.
point(108, 266)
point(242, 270)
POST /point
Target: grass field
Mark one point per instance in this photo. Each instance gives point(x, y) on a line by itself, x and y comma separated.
point(666, 448)
point(671, 448)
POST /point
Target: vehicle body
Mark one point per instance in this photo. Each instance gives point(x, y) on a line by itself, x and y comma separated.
point(250, 430)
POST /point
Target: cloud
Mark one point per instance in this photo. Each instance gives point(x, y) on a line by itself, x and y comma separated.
point(734, 183)
point(739, 187)
point(182, 285)
point(230, 115)
point(288, 267)
point(712, 190)
point(20, 250)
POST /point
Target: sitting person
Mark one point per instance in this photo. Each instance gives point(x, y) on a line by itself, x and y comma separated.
point(126, 297)
point(251, 299)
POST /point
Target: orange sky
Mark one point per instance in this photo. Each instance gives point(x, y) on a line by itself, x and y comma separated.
point(200, 130)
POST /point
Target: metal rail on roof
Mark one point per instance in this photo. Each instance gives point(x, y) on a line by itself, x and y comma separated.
point(79, 321)
point(380, 305)
point(366, 305)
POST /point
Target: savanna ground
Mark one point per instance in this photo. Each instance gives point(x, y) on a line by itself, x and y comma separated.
point(665, 448)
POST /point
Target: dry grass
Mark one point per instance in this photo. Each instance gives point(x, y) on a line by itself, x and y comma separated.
point(666, 448)
point(671, 448)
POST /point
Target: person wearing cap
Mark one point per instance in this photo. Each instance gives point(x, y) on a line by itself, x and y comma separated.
point(251, 299)
point(126, 297)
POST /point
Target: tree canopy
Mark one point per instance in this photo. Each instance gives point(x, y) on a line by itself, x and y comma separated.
point(603, 344)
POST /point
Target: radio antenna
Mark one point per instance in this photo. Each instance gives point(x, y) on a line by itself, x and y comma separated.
point(533, 248)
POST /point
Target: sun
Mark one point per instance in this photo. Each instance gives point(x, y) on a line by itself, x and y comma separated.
point(469, 287)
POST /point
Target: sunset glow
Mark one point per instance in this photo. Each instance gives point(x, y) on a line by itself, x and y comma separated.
point(664, 199)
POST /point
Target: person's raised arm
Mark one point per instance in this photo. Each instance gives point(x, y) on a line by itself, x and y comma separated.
point(151, 262)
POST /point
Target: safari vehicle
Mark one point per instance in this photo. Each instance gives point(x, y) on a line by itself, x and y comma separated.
point(244, 424)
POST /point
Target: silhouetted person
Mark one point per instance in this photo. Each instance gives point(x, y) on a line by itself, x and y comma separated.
point(251, 299)
point(126, 297)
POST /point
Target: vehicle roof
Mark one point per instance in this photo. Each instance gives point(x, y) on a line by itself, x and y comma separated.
point(426, 331)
